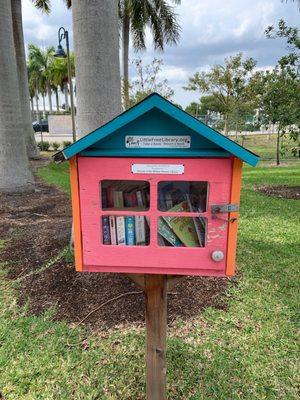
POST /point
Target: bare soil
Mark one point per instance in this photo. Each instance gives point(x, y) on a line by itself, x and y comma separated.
point(283, 192)
point(37, 226)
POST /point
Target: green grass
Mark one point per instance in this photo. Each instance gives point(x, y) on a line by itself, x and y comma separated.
point(56, 174)
point(250, 351)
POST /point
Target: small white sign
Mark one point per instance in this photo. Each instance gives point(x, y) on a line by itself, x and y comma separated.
point(146, 142)
point(172, 169)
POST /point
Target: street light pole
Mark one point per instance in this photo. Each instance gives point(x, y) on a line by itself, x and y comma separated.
point(64, 34)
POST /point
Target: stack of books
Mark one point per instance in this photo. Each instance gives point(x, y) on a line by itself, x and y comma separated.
point(123, 195)
point(181, 231)
point(172, 193)
point(125, 230)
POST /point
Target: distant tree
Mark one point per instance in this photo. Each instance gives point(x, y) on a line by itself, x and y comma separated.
point(148, 81)
point(59, 78)
point(280, 89)
point(227, 84)
point(193, 109)
point(278, 95)
point(291, 60)
point(41, 60)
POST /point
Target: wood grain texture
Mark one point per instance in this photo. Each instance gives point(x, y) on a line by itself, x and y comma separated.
point(236, 183)
point(76, 214)
point(156, 327)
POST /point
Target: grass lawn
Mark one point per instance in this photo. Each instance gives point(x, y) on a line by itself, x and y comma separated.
point(250, 351)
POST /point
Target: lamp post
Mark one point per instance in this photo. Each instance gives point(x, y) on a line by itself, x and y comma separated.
point(60, 53)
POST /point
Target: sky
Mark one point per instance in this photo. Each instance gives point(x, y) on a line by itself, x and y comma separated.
point(211, 31)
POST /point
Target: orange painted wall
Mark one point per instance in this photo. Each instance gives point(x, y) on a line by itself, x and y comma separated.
point(76, 213)
point(236, 183)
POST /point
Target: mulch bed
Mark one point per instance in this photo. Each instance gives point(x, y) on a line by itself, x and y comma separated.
point(38, 225)
point(284, 192)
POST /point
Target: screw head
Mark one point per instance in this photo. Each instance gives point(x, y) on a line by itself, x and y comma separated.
point(217, 255)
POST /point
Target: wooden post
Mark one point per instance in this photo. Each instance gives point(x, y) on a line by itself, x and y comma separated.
point(156, 328)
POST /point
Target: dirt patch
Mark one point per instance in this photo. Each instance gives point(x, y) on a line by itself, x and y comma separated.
point(283, 192)
point(38, 225)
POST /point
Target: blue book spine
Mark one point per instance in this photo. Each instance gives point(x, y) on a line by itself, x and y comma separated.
point(130, 231)
point(106, 230)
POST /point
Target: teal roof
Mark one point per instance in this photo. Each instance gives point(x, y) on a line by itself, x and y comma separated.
point(156, 116)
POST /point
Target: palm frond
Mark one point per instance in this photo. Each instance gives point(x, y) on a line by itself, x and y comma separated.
point(43, 5)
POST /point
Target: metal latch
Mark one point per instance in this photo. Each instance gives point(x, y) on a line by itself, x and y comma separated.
point(224, 208)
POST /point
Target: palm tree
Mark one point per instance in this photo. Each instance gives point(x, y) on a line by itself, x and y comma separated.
point(32, 149)
point(41, 60)
point(96, 44)
point(59, 76)
point(15, 174)
point(135, 16)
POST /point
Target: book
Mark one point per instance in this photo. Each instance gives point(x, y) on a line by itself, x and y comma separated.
point(104, 197)
point(112, 228)
point(118, 199)
point(110, 196)
point(140, 230)
point(106, 230)
point(140, 198)
point(183, 227)
point(120, 228)
point(198, 225)
point(165, 231)
point(130, 231)
point(130, 199)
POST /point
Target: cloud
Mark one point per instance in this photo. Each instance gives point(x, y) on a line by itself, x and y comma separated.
point(211, 31)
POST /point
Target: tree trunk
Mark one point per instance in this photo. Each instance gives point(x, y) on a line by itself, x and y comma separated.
point(15, 174)
point(49, 96)
point(125, 59)
point(37, 106)
point(31, 107)
point(226, 124)
point(32, 149)
point(66, 93)
point(278, 148)
point(44, 104)
point(96, 44)
point(57, 99)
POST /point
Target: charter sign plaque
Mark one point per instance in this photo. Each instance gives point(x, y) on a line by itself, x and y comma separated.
point(158, 142)
point(171, 169)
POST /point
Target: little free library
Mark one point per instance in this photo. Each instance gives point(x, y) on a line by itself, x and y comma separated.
point(155, 195)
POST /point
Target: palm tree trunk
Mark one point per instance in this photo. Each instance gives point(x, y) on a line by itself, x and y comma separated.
point(15, 174)
point(98, 85)
point(49, 96)
point(66, 93)
point(31, 106)
point(44, 104)
point(32, 149)
point(57, 99)
point(125, 59)
point(37, 106)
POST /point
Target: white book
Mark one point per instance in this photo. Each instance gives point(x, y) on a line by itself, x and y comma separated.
point(112, 228)
point(120, 226)
point(140, 231)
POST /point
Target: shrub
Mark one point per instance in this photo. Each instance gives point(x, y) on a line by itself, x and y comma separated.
point(55, 146)
point(44, 146)
point(66, 143)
